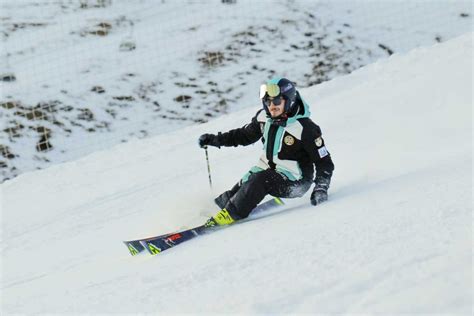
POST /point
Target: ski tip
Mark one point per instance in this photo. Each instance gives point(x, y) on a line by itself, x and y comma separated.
point(133, 249)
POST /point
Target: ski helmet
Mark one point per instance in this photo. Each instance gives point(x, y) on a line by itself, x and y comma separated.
point(279, 87)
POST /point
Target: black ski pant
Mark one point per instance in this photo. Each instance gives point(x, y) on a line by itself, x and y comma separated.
point(246, 195)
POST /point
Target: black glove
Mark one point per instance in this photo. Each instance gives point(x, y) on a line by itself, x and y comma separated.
point(320, 191)
point(319, 196)
point(209, 140)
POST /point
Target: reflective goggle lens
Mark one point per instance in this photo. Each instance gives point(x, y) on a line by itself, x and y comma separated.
point(271, 90)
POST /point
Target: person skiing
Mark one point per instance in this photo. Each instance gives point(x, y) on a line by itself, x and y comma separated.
point(292, 148)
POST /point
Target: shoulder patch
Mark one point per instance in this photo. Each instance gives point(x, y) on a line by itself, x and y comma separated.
point(318, 141)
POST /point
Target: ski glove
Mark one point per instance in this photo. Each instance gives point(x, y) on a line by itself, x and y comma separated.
point(319, 196)
point(209, 140)
point(320, 191)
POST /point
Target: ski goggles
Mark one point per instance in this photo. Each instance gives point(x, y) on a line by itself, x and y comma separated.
point(270, 93)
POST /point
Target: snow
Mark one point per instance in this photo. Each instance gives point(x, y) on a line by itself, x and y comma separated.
point(57, 62)
point(394, 238)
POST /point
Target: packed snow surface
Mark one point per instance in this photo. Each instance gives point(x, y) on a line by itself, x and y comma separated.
point(395, 236)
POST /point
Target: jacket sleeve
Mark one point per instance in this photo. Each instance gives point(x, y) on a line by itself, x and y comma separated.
point(316, 148)
point(246, 135)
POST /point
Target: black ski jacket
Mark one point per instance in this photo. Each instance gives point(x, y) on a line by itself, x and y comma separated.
point(295, 148)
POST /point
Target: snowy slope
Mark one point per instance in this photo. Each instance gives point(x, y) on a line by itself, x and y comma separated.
point(395, 237)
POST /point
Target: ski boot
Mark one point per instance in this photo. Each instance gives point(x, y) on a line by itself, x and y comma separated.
point(222, 218)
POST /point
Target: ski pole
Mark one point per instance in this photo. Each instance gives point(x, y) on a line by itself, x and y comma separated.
point(208, 167)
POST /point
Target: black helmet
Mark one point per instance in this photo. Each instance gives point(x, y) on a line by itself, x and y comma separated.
point(279, 87)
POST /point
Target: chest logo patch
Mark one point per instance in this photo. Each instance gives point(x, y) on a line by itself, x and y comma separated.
point(289, 140)
point(318, 142)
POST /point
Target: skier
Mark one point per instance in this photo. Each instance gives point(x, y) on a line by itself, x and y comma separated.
point(293, 148)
